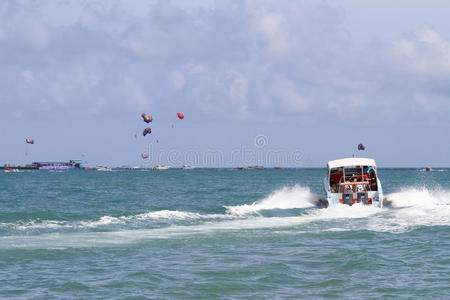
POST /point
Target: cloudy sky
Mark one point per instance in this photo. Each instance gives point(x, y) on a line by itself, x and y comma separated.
point(310, 79)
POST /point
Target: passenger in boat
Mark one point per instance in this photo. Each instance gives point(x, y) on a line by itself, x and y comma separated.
point(356, 187)
point(373, 185)
point(359, 187)
point(333, 186)
point(350, 187)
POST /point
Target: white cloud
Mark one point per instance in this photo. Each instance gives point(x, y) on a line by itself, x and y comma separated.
point(426, 35)
point(271, 26)
point(285, 57)
point(426, 53)
point(288, 95)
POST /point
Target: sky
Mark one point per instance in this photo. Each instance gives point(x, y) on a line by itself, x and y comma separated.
point(289, 83)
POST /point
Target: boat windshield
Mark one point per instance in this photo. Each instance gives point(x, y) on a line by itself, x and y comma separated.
point(356, 178)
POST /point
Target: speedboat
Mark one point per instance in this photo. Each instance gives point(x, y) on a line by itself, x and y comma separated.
point(350, 181)
point(11, 170)
point(160, 167)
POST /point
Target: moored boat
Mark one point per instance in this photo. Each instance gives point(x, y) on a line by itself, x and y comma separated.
point(352, 180)
point(187, 167)
point(256, 168)
point(160, 167)
point(103, 168)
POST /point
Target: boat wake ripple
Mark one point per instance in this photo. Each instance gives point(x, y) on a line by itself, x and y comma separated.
point(409, 209)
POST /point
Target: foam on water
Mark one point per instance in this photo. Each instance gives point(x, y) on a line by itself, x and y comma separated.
point(284, 198)
point(161, 215)
point(413, 207)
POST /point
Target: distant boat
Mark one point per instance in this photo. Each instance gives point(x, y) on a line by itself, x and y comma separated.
point(186, 167)
point(428, 169)
point(124, 168)
point(103, 169)
point(10, 170)
point(160, 167)
point(238, 168)
point(280, 168)
point(256, 168)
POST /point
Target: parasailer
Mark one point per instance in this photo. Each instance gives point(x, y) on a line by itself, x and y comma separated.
point(144, 155)
point(146, 131)
point(146, 117)
point(180, 116)
point(29, 141)
point(361, 147)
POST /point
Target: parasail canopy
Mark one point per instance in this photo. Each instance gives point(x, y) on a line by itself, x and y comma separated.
point(147, 131)
point(146, 117)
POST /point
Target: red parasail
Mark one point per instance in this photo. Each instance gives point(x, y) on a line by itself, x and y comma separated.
point(180, 116)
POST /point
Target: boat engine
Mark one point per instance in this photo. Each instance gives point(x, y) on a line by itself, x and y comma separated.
point(347, 197)
point(363, 197)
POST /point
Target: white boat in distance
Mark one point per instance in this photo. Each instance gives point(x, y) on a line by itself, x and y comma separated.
point(161, 167)
point(352, 180)
point(103, 168)
point(186, 167)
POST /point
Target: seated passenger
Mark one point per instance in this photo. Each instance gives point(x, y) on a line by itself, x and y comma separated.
point(349, 186)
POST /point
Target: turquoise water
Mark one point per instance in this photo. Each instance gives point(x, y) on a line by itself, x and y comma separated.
point(220, 233)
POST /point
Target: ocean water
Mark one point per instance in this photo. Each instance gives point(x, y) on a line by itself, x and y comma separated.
point(220, 233)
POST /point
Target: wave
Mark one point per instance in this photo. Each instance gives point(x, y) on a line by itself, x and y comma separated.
point(412, 207)
point(284, 198)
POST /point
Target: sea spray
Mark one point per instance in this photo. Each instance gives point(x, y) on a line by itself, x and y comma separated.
point(284, 198)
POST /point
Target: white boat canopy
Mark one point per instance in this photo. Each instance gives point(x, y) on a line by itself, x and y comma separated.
point(349, 162)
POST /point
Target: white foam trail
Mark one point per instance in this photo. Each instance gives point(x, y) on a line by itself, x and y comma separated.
point(36, 224)
point(100, 239)
point(413, 207)
point(285, 198)
point(163, 215)
point(167, 215)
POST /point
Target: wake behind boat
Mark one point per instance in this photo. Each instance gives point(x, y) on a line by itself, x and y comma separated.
point(352, 180)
